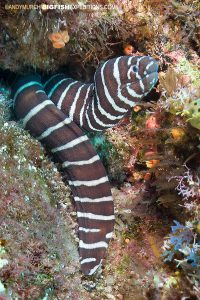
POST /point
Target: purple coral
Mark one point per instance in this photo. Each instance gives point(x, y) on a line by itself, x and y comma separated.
point(188, 185)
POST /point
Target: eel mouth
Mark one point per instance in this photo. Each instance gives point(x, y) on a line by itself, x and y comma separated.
point(150, 79)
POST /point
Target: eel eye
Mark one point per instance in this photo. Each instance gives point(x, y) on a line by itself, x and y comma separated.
point(135, 69)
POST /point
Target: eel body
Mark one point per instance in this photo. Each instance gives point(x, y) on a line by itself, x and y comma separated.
point(59, 111)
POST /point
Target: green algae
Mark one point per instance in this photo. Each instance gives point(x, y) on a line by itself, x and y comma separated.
point(134, 230)
point(124, 264)
point(111, 155)
point(188, 68)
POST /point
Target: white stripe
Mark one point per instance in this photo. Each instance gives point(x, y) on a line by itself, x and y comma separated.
point(133, 93)
point(116, 75)
point(109, 235)
point(80, 162)
point(109, 98)
point(101, 244)
point(141, 83)
point(102, 110)
point(87, 260)
point(73, 107)
point(94, 216)
point(89, 229)
point(138, 76)
point(131, 69)
point(89, 182)
point(129, 73)
point(52, 77)
point(98, 121)
point(130, 60)
point(92, 271)
point(35, 110)
point(84, 103)
point(24, 86)
point(149, 65)
point(55, 87)
point(90, 200)
point(62, 97)
point(153, 81)
point(71, 144)
point(53, 128)
point(89, 123)
point(40, 91)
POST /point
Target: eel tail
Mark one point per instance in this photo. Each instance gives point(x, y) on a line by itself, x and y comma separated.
point(80, 164)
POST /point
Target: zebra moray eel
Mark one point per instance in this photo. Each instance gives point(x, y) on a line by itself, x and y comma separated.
point(58, 111)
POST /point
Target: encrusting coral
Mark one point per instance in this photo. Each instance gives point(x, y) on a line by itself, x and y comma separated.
point(59, 39)
point(152, 157)
point(96, 32)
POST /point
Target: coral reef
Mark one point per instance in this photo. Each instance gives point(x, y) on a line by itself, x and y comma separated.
point(94, 32)
point(152, 156)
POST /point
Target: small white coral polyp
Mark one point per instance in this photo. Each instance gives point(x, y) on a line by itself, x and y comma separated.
point(188, 185)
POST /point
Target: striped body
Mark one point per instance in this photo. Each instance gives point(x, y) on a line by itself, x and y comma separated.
point(55, 113)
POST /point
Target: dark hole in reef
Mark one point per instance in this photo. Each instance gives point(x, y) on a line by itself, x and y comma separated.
point(77, 72)
point(7, 76)
point(154, 95)
point(194, 46)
